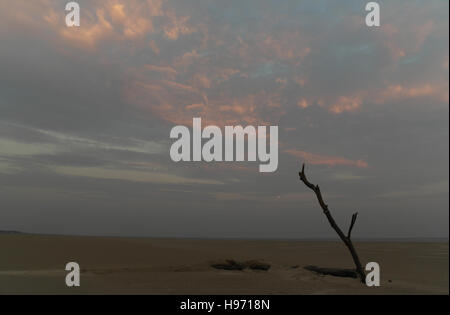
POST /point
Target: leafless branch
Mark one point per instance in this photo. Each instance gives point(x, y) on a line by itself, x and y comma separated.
point(354, 216)
point(346, 239)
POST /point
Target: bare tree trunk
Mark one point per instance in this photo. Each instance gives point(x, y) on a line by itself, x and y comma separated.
point(345, 238)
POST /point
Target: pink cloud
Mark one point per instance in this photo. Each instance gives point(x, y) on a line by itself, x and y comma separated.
point(316, 159)
point(346, 104)
point(173, 83)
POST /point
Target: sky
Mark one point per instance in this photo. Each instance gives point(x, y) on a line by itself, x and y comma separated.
point(86, 114)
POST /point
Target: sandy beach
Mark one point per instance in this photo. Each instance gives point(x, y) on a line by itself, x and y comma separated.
point(31, 264)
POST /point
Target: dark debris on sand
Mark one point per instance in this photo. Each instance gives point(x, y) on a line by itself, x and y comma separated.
point(231, 264)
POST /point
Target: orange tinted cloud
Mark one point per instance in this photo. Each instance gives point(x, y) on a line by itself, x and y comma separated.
point(437, 92)
point(169, 84)
point(346, 104)
point(316, 159)
point(119, 20)
point(178, 26)
point(168, 71)
point(177, 102)
point(90, 34)
point(302, 103)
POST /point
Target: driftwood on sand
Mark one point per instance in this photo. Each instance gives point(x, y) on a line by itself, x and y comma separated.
point(345, 238)
point(348, 273)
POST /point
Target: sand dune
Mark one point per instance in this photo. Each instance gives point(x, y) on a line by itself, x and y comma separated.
point(35, 264)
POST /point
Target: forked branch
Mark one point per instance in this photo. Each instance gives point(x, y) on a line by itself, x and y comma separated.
point(345, 238)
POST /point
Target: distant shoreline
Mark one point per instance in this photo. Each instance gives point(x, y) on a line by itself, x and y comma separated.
point(11, 232)
point(306, 239)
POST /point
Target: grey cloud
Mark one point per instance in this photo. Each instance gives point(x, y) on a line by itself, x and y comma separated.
point(81, 152)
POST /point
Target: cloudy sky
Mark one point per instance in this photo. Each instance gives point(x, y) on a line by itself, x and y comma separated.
point(85, 116)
